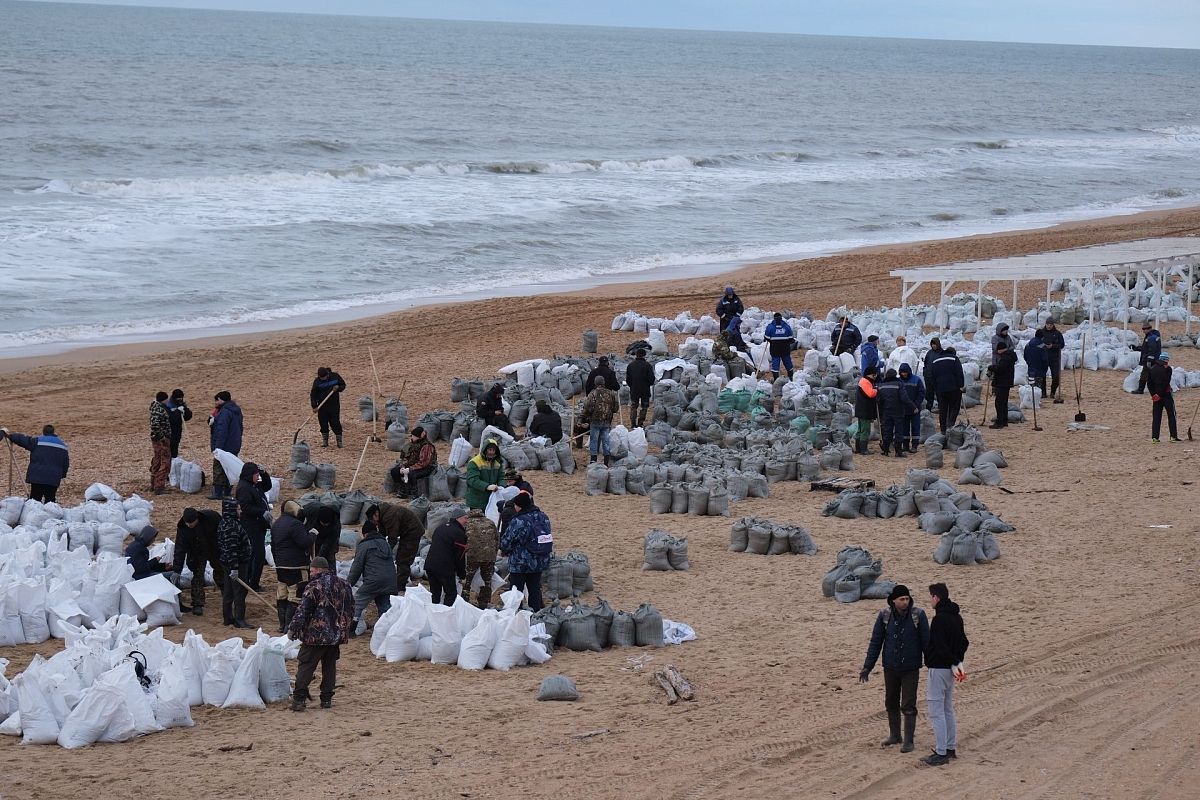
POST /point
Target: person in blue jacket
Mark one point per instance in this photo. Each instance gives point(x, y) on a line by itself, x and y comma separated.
point(780, 338)
point(894, 409)
point(733, 334)
point(48, 462)
point(137, 553)
point(1151, 349)
point(868, 354)
point(901, 633)
point(224, 433)
point(910, 426)
point(1037, 360)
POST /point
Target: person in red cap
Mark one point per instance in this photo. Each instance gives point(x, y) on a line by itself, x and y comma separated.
point(901, 632)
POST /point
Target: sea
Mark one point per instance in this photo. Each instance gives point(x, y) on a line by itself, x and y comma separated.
point(170, 173)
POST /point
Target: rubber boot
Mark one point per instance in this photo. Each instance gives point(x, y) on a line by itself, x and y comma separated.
point(593, 461)
point(339, 441)
point(297, 704)
point(289, 612)
point(883, 447)
point(281, 610)
point(910, 728)
point(608, 461)
point(900, 448)
point(894, 728)
point(324, 440)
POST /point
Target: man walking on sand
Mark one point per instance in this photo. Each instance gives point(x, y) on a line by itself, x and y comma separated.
point(1052, 338)
point(944, 655)
point(901, 632)
point(160, 443)
point(322, 625)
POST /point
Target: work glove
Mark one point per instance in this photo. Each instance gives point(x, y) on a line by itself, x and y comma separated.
point(864, 676)
point(492, 487)
point(233, 575)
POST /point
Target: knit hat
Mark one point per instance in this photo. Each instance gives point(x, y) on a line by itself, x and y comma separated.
point(1164, 356)
point(512, 475)
point(900, 590)
point(418, 432)
point(190, 515)
point(318, 563)
point(872, 338)
point(1146, 326)
point(224, 397)
point(523, 500)
point(599, 381)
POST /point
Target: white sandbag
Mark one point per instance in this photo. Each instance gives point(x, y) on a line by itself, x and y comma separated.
point(31, 603)
point(638, 448)
point(460, 452)
point(477, 645)
point(509, 650)
point(191, 478)
point(110, 538)
point(124, 677)
point(10, 510)
point(446, 636)
point(171, 706)
point(62, 610)
point(195, 665)
point(404, 637)
point(658, 342)
point(12, 633)
point(274, 683)
point(243, 690)
point(100, 491)
point(496, 501)
point(101, 716)
point(223, 661)
point(38, 725)
point(384, 624)
point(492, 432)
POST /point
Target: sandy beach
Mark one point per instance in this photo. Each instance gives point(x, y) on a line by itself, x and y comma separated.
point(1082, 663)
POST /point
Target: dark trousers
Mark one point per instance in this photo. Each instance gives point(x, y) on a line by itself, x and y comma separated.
point(1143, 378)
point(1001, 404)
point(311, 655)
point(330, 417)
point(43, 492)
point(1165, 401)
point(949, 404)
point(1055, 357)
point(406, 553)
point(891, 428)
point(198, 567)
point(257, 531)
point(531, 581)
point(443, 589)
point(1040, 382)
point(233, 603)
point(900, 691)
point(638, 407)
point(910, 430)
point(175, 446)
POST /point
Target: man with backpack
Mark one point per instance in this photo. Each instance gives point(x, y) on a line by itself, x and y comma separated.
point(901, 632)
point(528, 543)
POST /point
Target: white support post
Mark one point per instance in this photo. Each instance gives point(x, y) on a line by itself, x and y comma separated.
point(1187, 324)
point(1047, 296)
point(1014, 307)
point(904, 304)
point(979, 301)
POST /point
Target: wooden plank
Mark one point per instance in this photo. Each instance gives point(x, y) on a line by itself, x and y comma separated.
point(840, 484)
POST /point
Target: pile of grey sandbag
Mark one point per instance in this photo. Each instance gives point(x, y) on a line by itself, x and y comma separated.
point(305, 474)
point(351, 506)
point(767, 538)
point(856, 577)
point(580, 627)
point(966, 547)
point(932, 499)
point(664, 552)
point(980, 464)
point(566, 576)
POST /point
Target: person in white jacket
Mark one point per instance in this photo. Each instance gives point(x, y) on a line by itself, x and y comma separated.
point(902, 354)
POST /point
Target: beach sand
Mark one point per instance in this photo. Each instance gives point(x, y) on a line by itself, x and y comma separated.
point(1082, 663)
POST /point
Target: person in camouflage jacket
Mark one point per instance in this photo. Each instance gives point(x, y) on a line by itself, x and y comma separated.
point(482, 543)
point(598, 409)
point(322, 626)
point(160, 444)
point(233, 550)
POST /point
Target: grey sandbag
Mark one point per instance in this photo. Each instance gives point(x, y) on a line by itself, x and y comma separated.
point(433, 427)
point(737, 485)
point(634, 482)
point(968, 521)
point(660, 498)
point(550, 616)
point(927, 501)
point(847, 589)
point(439, 486)
point(996, 525)
point(776, 470)
point(718, 502)
point(801, 543)
point(515, 456)
point(867, 573)
point(807, 467)
point(648, 626)
point(970, 477)
point(326, 477)
point(518, 414)
point(877, 590)
point(739, 535)
point(989, 474)
point(420, 507)
point(831, 578)
point(557, 687)
point(560, 578)
point(677, 553)
point(759, 539)
point(965, 456)
point(870, 505)
point(591, 341)
point(847, 457)
point(849, 505)
point(906, 503)
point(616, 479)
point(566, 459)
point(697, 500)
point(934, 456)
point(352, 507)
point(780, 542)
point(595, 481)
point(941, 553)
point(578, 631)
point(300, 455)
point(830, 458)
point(991, 547)
point(623, 631)
point(547, 459)
point(758, 486)
point(304, 476)
point(366, 408)
point(962, 554)
point(397, 440)
point(991, 457)
point(679, 498)
point(655, 546)
point(919, 479)
point(936, 522)
point(458, 390)
point(887, 505)
point(602, 618)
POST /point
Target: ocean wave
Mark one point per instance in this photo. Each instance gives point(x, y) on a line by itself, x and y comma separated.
point(1002, 144)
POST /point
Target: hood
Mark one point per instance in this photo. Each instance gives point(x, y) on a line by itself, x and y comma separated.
point(497, 389)
point(232, 407)
point(483, 450)
point(292, 509)
point(947, 607)
point(903, 369)
point(248, 470)
point(729, 292)
point(146, 535)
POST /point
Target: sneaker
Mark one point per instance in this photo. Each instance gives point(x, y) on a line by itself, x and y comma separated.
point(1154, 441)
point(935, 760)
point(327, 703)
point(298, 705)
point(949, 753)
point(1173, 439)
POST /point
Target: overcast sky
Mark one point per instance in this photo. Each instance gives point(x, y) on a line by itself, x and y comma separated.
point(1146, 23)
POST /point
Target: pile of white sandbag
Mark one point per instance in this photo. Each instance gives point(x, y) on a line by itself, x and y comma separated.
point(415, 629)
point(117, 682)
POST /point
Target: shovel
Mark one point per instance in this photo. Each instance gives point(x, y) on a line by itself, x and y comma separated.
point(1033, 396)
point(296, 435)
point(1190, 424)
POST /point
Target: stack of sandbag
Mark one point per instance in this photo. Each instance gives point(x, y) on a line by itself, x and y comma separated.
point(580, 628)
point(567, 576)
point(856, 577)
point(697, 499)
point(664, 552)
point(186, 476)
point(366, 408)
point(767, 538)
point(964, 548)
point(91, 691)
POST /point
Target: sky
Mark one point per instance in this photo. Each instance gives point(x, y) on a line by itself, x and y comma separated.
point(1139, 23)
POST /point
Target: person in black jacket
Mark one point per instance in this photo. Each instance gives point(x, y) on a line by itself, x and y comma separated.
point(179, 413)
point(946, 381)
point(639, 375)
point(866, 409)
point(729, 306)
point(251, 495)
point(329, 412)
point(1164, 400)
point(233, 546)
point(602, 370)
point(326, 525)
point(935, 351)
point(1151, 349)
point(447, 559)
point(944, 655)
point(901, 632)
point(292, 546)
point(546, 422)
point(138, 554)
point(196, 545)
point(1052, 338)
point(894, 405)
point(1003, 377)
point(846, 337)
point(490, 409)
point(374, 566)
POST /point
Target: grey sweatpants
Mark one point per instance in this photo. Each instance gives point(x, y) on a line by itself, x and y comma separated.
point(941, 710)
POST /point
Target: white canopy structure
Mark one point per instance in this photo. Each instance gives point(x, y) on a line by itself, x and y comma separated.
point(1155, 259)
